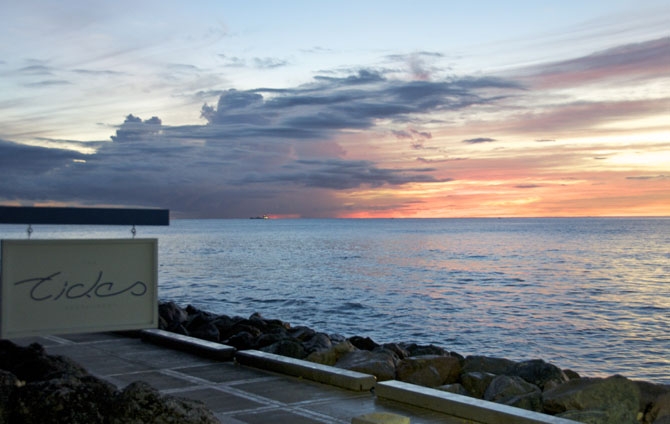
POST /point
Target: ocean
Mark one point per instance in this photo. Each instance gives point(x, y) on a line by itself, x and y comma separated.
point(589, 294)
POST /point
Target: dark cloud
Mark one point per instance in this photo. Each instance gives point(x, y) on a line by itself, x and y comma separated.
point(258, 151)
point(526, 186)
point(479, 140)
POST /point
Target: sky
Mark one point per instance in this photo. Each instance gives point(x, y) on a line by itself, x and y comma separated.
point(348, 109)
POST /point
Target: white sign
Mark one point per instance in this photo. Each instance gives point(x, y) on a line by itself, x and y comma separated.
point(78, 286)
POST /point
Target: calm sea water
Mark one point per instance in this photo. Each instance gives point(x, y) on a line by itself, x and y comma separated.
point(592, 295)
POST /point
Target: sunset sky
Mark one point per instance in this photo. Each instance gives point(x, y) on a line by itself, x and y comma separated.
point(338, 109)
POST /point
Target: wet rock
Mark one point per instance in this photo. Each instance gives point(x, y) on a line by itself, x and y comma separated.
point(429, 370)
point(476, 382)
point(615, 398)
point(380, 363)
point(497, 366)
point(514, 391)
point(70, 399)
point(332, 355)
point(539, 373)
point(140, 403)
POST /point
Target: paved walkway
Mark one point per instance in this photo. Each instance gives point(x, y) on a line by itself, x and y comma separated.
point(235, 393)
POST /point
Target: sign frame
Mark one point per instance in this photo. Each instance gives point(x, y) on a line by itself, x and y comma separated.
point(65, 286)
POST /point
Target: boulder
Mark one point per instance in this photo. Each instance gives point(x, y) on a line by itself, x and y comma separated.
point(455, 388)
point(73, 400)
point(429, 370)
point(616, 399)
point(9, 384)
point(318, 342)
point(514, 391)
point(476, 382)
point(302, 333)
point(539, 373)
point(398, 349)
point(172, 315)
point(363, 343)
point(497, 366)
point(206, 331)
point(140, 403)
point(32, 363)
point(422, 350)
point(649, 393)
point(332, 355)
point(380, 363)
point(288, 347)
point(660, 412)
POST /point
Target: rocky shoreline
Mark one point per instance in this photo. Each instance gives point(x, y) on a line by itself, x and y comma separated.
point(533, 384)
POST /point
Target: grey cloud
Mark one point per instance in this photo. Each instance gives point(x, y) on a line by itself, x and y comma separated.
point(479, 140)
point(649, 177)
point(345, 174)
point(269, 62)
point(47, 83)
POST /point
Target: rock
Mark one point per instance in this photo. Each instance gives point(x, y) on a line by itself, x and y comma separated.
point(241, 341)
point(660, 412)
point(572, 375)
point(205, 331)
point(497, 366)
point(32, 363)
point(539, 373)
point(319, 342)
point(514, 391)
point(172, 315)
point(302, 333)
point(476, 382)
point(288, 347)
point(649, 393)
point(616, 397)
point(398, 349)
point(140, 403)
point(8, 386)
point(423, 350)
point(332, 355)
point(429, 370)
point(70, 399)
point(363, 343)
point(455, 388)
point(380, 363)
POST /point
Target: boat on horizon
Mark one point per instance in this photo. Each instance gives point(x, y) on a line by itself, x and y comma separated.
point(259, 217)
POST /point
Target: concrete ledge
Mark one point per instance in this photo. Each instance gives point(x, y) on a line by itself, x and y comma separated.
point(345, 379)
point(477, 410)
point(193, 345)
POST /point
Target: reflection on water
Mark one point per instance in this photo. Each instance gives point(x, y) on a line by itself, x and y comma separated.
point(588, 294)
